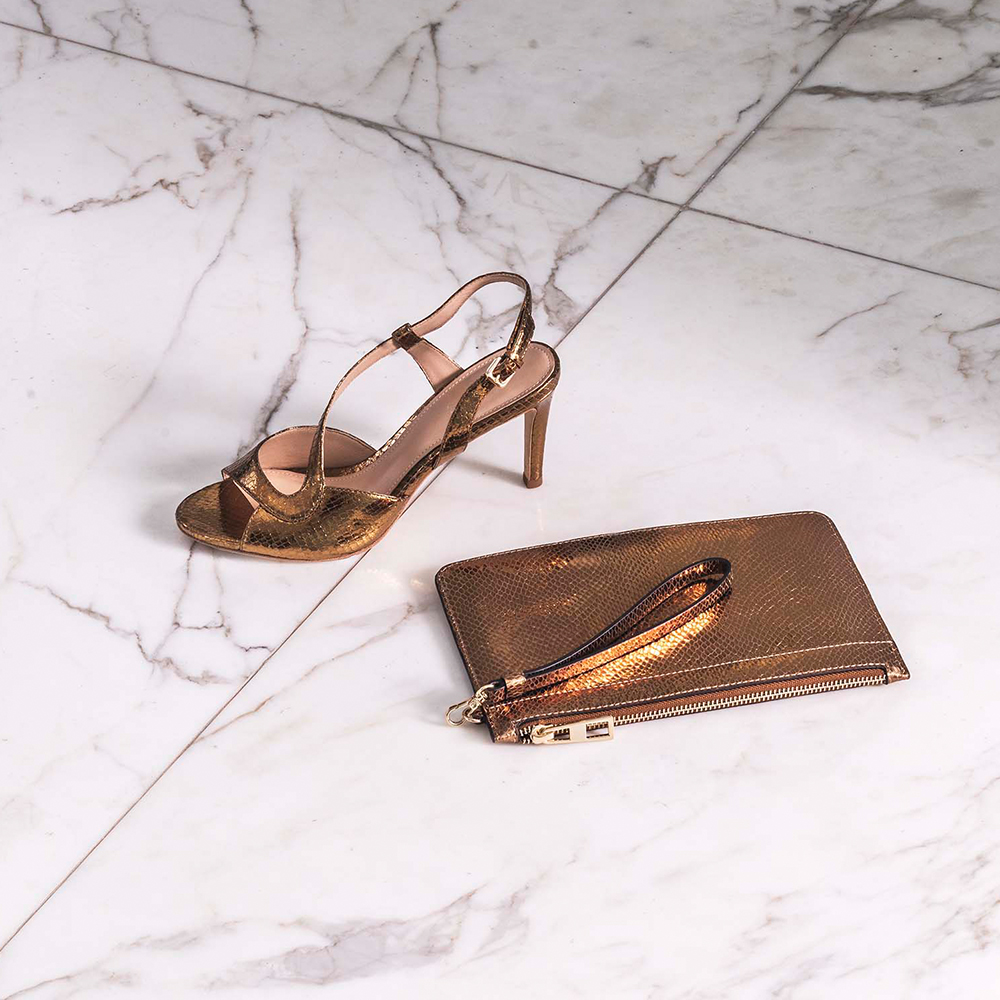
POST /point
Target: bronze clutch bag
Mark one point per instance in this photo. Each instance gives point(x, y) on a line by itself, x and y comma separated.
point(565, 642)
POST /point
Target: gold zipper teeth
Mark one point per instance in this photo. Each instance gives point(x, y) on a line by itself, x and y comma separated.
point(747, 698)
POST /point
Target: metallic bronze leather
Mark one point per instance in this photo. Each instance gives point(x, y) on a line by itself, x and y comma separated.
point(347, 521)
point(248, 472)
point(671, 605)
point(535, 423)
point(798, 608)
point(304, 514)
point(219, 512)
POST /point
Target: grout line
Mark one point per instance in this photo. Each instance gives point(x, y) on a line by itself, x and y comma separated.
point(215, 715)
point(685, 206)
point(621, 274)
point(795, 86)
point(343, 115)
point(268, 658)
point(728, 159)
point(380, 126)
point(842, 249)
point(197, 736)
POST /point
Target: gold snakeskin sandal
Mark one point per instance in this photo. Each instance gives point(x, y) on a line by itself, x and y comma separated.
point(320, 493)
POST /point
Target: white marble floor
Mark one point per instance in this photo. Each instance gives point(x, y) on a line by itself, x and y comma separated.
point(764, 238)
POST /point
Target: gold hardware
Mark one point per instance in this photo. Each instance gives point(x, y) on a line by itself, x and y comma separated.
point(587, 731)
point(866, 678)
point(501, 380)
point(466, 711)
point(594, 729)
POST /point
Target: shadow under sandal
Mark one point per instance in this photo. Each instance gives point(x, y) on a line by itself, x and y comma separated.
point(319, 493)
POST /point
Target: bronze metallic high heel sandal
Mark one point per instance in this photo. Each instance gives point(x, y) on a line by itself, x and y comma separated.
point(320, 493)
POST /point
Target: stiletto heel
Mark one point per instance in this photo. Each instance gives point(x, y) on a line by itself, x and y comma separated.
point(319, 493)
point(536, 422)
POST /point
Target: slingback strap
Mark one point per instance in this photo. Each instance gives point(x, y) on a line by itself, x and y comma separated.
point(513, 355)
point(247, 471)
point(626, 635)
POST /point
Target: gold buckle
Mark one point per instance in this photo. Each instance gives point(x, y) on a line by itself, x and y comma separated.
point(501, 380)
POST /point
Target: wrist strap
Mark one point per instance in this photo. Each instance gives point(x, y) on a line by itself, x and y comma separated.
point(628, 634)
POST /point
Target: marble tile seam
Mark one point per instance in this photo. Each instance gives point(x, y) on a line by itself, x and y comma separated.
point(221, 708)
point(208, 722)
point(394, 127)
point(386, 127)
point(850, 21)
point(687, 206)
point(856, 251)
point(173, 760)
point(391, 128)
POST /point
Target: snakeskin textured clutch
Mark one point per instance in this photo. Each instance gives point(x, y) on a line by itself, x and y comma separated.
point(566, 641)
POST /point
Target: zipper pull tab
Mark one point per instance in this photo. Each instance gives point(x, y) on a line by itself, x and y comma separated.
point(585, 731)
point(470, 710)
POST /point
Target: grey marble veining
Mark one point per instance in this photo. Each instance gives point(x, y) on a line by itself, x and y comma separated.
point(891, 145)
point(648, 96)
point(328, 831)
point(189, 265)
point(194, 267)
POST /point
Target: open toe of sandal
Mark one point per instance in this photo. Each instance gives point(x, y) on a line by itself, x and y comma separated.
point(216, 515)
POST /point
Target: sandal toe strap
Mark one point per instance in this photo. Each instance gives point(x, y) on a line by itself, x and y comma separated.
point(248, 473)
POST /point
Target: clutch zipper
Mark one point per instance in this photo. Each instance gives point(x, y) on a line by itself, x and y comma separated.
point(602, 728)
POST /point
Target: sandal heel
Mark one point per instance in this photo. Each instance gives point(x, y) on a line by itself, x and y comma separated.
point(536, 422)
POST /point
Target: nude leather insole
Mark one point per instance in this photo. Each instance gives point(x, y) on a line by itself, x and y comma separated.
point(427, 427)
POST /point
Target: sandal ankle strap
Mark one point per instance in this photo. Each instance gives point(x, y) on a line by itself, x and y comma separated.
point(524, 326)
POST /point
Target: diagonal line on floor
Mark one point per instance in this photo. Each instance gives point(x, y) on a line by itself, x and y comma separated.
point(394, 129)
point(391, 128)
